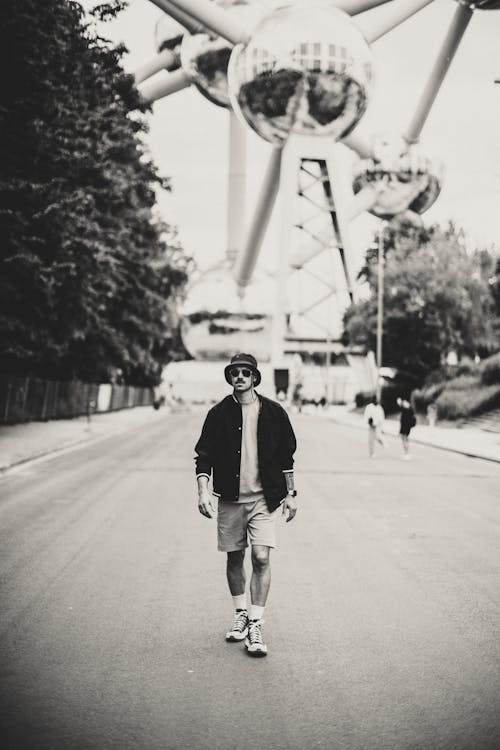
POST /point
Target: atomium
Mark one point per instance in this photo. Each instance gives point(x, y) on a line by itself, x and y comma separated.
point(401, 177)
point(205, 57)
point(216, 323)
point(307, 69)
point(304, 69)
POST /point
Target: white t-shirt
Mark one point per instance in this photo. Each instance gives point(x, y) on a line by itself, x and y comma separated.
point(377, 414)
point(250, 484)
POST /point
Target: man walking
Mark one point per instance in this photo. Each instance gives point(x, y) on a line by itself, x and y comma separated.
point(407, 421)
point(247, 443)
point(374, 417)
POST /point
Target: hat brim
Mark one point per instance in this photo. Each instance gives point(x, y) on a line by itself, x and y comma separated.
point(255, 371)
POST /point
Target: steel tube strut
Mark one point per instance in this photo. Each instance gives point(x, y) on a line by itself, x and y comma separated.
point(339, 216)
point(459, 23)
point(164, 60)
point(362, 201)
point(358, 143)
point(214, 18)
point(249, 253)
point(153, 90)
point(185, 20)
point(374, 29)
point(236, 187)
point(380, 305)
point(353, 7)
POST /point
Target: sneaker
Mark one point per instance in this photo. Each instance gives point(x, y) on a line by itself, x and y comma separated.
point(240, 627)
point(254, 642)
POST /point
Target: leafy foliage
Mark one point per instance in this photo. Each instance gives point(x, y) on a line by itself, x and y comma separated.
point(468, 403)
point(108, 10)
point(89, 274)
point(490, 374)
point(436, 299)
point(473, 390)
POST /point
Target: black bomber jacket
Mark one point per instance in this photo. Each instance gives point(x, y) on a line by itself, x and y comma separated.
point(219, 446)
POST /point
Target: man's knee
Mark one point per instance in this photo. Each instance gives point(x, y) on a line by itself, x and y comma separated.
point(260, 557)
point(235, 559)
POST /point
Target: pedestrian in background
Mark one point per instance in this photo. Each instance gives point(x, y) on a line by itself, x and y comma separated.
point(374, 417)
point(432, 415)
point(407, 421)
point(247, 443)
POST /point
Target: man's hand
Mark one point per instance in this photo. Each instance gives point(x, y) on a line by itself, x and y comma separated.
point(205, 504)
point(289, 507)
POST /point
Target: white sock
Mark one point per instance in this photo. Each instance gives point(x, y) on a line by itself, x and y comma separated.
point(240, 601)
point(256, 612)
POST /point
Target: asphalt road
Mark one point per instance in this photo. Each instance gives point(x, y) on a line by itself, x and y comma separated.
point(382, 624)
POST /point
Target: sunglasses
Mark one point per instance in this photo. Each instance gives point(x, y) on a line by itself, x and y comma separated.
point(237, 370)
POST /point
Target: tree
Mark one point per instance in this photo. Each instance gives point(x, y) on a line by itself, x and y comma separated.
point(436, 300)
point(492, 271)
point(89, 274)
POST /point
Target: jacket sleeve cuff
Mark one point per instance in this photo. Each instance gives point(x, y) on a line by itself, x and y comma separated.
point(287, 471)
point(202, 474)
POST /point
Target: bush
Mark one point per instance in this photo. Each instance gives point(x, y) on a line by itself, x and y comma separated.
point(422, 397)
point(463, 383)
point(445, 373)
point(362, 398)
point(468, 367)
point(456, 404)
point(491, 370)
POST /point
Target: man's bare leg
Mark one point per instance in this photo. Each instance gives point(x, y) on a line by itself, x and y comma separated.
point(259, 589)
point(261, 575)
point(235, 571)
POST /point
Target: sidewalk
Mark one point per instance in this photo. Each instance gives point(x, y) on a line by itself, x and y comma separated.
point(34, 440)
point(470, 441)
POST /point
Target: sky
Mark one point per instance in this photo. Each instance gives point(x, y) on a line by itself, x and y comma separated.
point(188, 135)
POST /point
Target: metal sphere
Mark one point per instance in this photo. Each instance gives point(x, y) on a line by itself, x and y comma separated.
point(168, 34)
point(205, 57)
point(307, 69)
point(402, 178)
point(216, 323)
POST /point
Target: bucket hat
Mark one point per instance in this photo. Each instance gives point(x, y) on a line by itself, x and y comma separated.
point(243, 360)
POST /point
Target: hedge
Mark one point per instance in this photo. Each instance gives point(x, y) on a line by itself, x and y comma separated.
point(457, 404)
point(491, 370)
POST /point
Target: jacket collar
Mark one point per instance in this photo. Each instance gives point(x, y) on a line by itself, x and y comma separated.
point(259, 397)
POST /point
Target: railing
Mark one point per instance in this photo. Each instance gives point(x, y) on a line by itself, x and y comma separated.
point(30, 399)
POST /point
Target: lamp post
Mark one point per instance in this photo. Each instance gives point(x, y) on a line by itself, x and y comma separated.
point(380, 307)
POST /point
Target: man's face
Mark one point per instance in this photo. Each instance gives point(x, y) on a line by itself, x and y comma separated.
point(241, 378)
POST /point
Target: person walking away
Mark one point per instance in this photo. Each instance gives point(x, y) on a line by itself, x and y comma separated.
point(432, 415)
point(407, 421)
point(247, 445)
point(374, 417)
point(297, 396)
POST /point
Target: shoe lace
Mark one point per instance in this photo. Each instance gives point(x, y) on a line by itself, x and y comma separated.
point(255, 632)
point(240, 621)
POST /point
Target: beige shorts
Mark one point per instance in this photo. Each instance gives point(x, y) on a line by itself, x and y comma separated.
point(239, 524)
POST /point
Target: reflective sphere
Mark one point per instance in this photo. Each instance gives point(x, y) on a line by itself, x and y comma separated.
point(403, 179)
point(168, 34)
point(484, 4)
point(307, 69)
point(217, 324)
point(205, 57)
